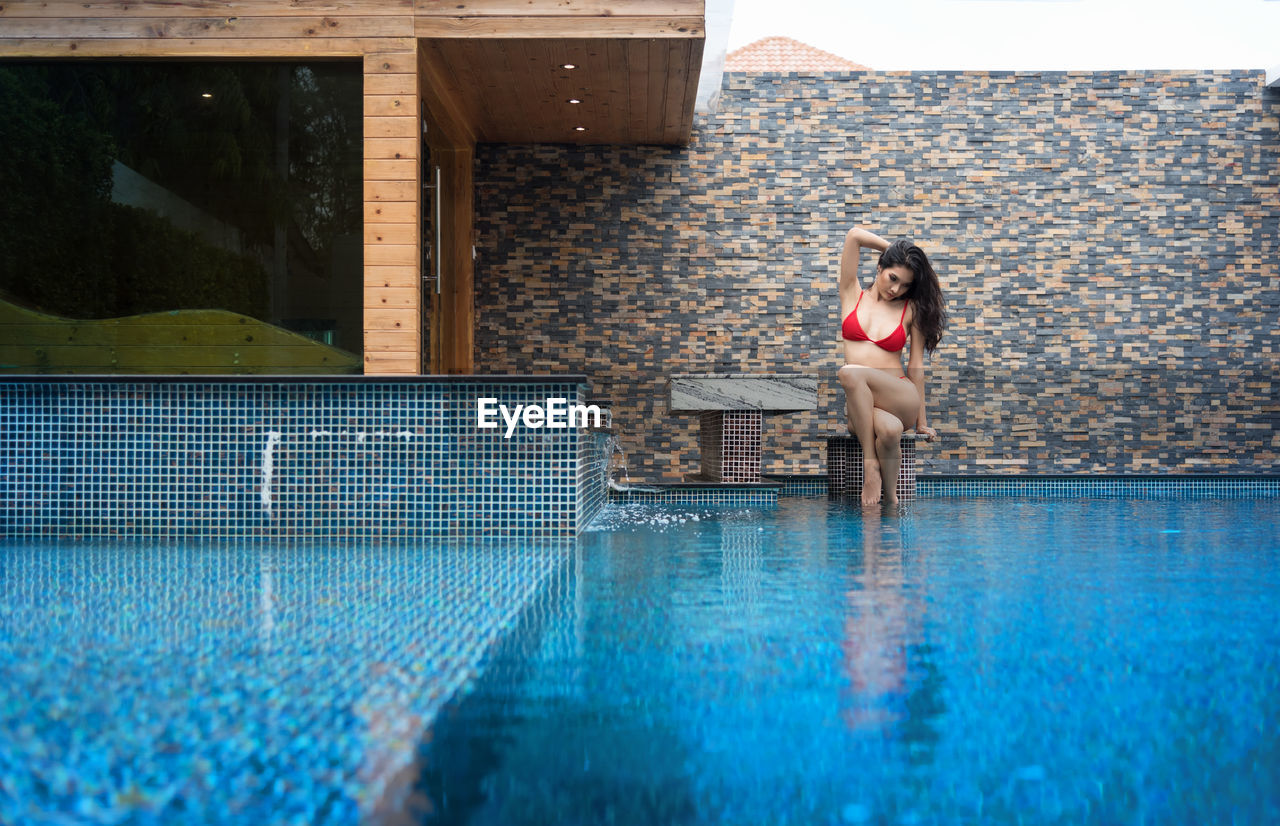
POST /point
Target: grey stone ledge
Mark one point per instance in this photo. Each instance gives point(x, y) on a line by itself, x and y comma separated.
point(766, 392)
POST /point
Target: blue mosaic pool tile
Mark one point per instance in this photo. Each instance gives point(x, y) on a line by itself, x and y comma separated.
point(240, 683)
point(367, 458)
point(34, 458)
point(1155, 487)
point(594, 453)
point(800, 485)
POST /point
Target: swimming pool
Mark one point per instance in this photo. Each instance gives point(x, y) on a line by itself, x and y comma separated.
point(970, 660)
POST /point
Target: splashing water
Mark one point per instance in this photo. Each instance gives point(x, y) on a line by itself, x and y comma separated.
point(268, 466)
point(613, 447)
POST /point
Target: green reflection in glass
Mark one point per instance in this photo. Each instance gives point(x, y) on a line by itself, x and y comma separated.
point(137, 188)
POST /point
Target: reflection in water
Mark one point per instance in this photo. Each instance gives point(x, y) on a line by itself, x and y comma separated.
point(960, 663)
point(266, 599)
point(682, 680)
point(894, 687)
point(557, 732)
point(877, 630)
point(741, 668)
point(789, 668)
point(742, 567)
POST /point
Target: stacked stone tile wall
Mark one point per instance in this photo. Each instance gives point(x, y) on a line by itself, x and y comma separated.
point(1107, 243)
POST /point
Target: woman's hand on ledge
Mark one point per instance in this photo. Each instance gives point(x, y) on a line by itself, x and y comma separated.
point(930, 435)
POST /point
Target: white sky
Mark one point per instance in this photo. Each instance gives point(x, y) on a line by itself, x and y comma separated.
point(893, 35)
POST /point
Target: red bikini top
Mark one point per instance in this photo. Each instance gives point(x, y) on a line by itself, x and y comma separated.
point(853, 331)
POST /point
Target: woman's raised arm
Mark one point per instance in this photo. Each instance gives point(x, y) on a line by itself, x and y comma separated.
point(854, 240)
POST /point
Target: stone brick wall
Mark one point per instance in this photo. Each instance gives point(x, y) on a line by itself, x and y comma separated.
point(1107, 242)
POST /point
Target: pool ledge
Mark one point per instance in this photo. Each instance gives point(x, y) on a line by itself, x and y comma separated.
point(285, 457)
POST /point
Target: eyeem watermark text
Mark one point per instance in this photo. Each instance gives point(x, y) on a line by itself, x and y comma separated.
point(556, 413)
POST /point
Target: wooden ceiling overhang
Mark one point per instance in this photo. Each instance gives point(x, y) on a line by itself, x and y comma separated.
point(495, 71)
point(490, 70)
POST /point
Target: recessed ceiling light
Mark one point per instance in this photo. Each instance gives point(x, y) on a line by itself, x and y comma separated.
point(574, 100)
point(206, 95)
point(568, 66)
point(579, 128)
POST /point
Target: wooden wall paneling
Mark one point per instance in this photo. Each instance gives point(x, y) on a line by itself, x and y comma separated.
point(457, 327)
point(637, 52)
point(496, 70)
point(450, 122)
point(397, 298)
point(391, 106)
point(547, 83)
point(202, 8)
point(391, 128)
point(390, 191)
point(395, 212)
point(392, 188)
point(507, 93)
point(584, 82)
point(656, 88)
point(391, 255)
point(434, 289)
point(401, 63)
point(559, 27)
point(691, 77)
point(392, 149)
point(485, 77)
point(293, 47)
point(587, 82)
point(435, 328)
point(380, 363)
point(678, 69)
point(170, 27)
point(387, 320)
point(617, 52)
point(388, 84)
point(389, 276)
point(391, 234)
point(562, 8)
point(610, 92)
point(390, 170)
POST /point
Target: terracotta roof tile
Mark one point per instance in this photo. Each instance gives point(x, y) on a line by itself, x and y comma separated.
point(782, 54)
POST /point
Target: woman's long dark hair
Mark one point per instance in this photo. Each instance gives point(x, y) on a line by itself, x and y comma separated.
point(925, 293)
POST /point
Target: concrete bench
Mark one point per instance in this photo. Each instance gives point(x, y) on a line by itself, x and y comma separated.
point(731, 409)
point(844, 466)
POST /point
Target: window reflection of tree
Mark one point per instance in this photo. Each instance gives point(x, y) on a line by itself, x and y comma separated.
point(262, 162)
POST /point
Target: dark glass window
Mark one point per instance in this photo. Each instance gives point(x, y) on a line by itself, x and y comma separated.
point(166, 217)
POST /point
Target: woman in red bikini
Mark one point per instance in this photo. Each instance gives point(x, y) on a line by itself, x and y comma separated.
point(903, 304)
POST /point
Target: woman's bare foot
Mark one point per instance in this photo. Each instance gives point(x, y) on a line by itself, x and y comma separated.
point(870, 482)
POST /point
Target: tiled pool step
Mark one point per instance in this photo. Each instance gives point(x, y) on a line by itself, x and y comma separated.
point(750, 494)
point(1072, 485)
point(783, 485)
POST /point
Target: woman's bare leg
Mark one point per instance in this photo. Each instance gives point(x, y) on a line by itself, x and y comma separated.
point(860, 405)
point(888, 429)
point(868, 392)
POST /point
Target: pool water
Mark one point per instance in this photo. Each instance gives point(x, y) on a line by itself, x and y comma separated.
point(237, 683)
point(966, 661)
